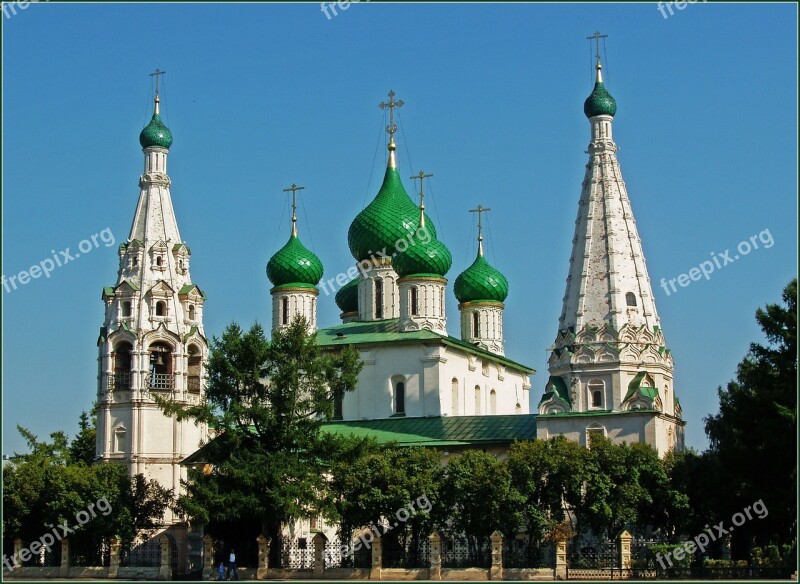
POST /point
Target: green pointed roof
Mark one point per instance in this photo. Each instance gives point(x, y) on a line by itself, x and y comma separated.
point(481, 282)
point(347, 297)
point(600, 102)
point(155, 134)
point(294, 264)
point(424, 258)
point(391, 217)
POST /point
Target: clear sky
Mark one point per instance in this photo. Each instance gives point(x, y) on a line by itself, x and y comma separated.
point(259, 96)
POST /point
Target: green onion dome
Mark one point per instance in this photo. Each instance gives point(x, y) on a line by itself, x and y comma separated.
point(347, 297)
point(391, 217)
point(294, 264)
point(431, 258)
point(155, 134)
point(600, 102)
point(481, 282)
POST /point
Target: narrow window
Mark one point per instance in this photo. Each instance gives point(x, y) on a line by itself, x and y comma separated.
point(126, 308)
point(477, 400)
point(119, 439)
point(191, 312)
point(135, 261)
point(518, 409)
point(597, 399)
point(159, 261)
point(596, 389)
point(454, 397)
point(476, 329)
point(337, 407)
point(400, 398)
point(414, 301)
point(195, 363)
point(161, 308)
point(630, 299)
point(493, 402)
point(284, 310)
point(379, 298)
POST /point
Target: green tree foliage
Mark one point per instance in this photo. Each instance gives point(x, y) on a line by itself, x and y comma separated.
point(266, 400)
point(83, 446)
point(754, 434)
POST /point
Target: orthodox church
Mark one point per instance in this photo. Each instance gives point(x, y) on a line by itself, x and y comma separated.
point(610, 371)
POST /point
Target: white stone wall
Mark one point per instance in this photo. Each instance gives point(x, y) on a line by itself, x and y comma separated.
point(430, 309)
point(490, 325)
point(301, 302)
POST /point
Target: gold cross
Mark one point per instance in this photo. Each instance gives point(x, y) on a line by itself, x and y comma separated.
point(391, 104)
point(157, 73)
point(480, 211)
point(294, 188)
point(421, 176)
point(597, 36)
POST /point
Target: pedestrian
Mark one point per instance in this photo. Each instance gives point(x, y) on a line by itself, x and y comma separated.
point(221, 570)
point(232, 566)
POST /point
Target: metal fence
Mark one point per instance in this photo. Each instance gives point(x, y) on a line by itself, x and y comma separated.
point(457, 553)
point(413, 555)
point(519, 553)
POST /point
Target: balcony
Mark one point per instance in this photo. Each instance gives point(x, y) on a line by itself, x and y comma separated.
point(160, 381)
point(119, 381)
point(193, 384)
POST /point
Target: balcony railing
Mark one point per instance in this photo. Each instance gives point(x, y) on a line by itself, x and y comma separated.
point(193, 384)
point(119, 381)
point(160, 381)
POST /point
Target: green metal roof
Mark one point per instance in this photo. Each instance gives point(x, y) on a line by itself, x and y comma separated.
point(155, 134)
point(440, 431)
point(599, 102)
point(481, 282)
point(423, 257)
point(556, 386)
point(388, 331)
point(347, 297)
point(636, 385)
point(189, 287)
point(294, 263)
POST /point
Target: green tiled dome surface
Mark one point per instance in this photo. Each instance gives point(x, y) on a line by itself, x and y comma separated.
point(599, 102)
point(481, 281)
point(155, 134)
point(432, 258)
point(294, 264)
point(347, 297)
point(390, 217)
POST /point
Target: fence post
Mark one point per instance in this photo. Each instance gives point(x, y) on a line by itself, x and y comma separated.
point(113, 563)
point(624, 540)
point(496, 571)
point(377, 559)
point(435, 572)
point(561, 560)
point(63, 571)
point(15, 559)
point(263, 557)
point(165, 571)
point(319, 555)
point(208, 557)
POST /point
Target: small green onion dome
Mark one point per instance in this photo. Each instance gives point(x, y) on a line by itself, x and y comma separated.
point(155, 134)
point(431, 258)
point(391, 217)
point(294, 264)
point(347, 297)
point(481, 282)
point(600, 102)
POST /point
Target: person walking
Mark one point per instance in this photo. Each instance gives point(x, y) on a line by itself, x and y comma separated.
point(232, 571)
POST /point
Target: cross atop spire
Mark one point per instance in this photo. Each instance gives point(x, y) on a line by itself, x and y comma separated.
point(157, 74)
point(392, 127)
point(597, 36)
point(421, 176)
point(480, 211)
point(294, 188)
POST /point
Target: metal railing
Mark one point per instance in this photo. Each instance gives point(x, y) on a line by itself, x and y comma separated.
point(193, 384)
point(160, 381)
point(119, 381)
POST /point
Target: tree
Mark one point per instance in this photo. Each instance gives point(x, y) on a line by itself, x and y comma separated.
point(266, 400)
point(754, 434)
point(83, 446)
point(477, 498)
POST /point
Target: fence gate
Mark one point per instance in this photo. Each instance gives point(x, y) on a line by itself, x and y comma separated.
point(597, 560)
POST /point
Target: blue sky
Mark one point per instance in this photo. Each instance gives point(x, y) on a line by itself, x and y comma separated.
point(259, 96)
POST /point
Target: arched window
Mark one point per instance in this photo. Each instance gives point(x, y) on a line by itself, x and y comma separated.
point(493, 402)
point(477, 400)
point(400, 397)
point(161, 308)
point(630, 299)
point(161, 377)
point(191, 312)
point(135, 261)
point(159, 261)
point(476, 329)
point(454, 397)
point(284, 310)
point(378, 298)
point(414, 301)
point(596, 389)
point(122, 366)
point(126, 308)
point(119, 439)
point(194, 371)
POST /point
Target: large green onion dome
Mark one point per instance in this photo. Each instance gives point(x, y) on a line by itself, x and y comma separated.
point(294, 264)
point(481, 283)
point(155, 133)
point(600, 102)
point(423, 259)
point(391, 217)
point(347, 297)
